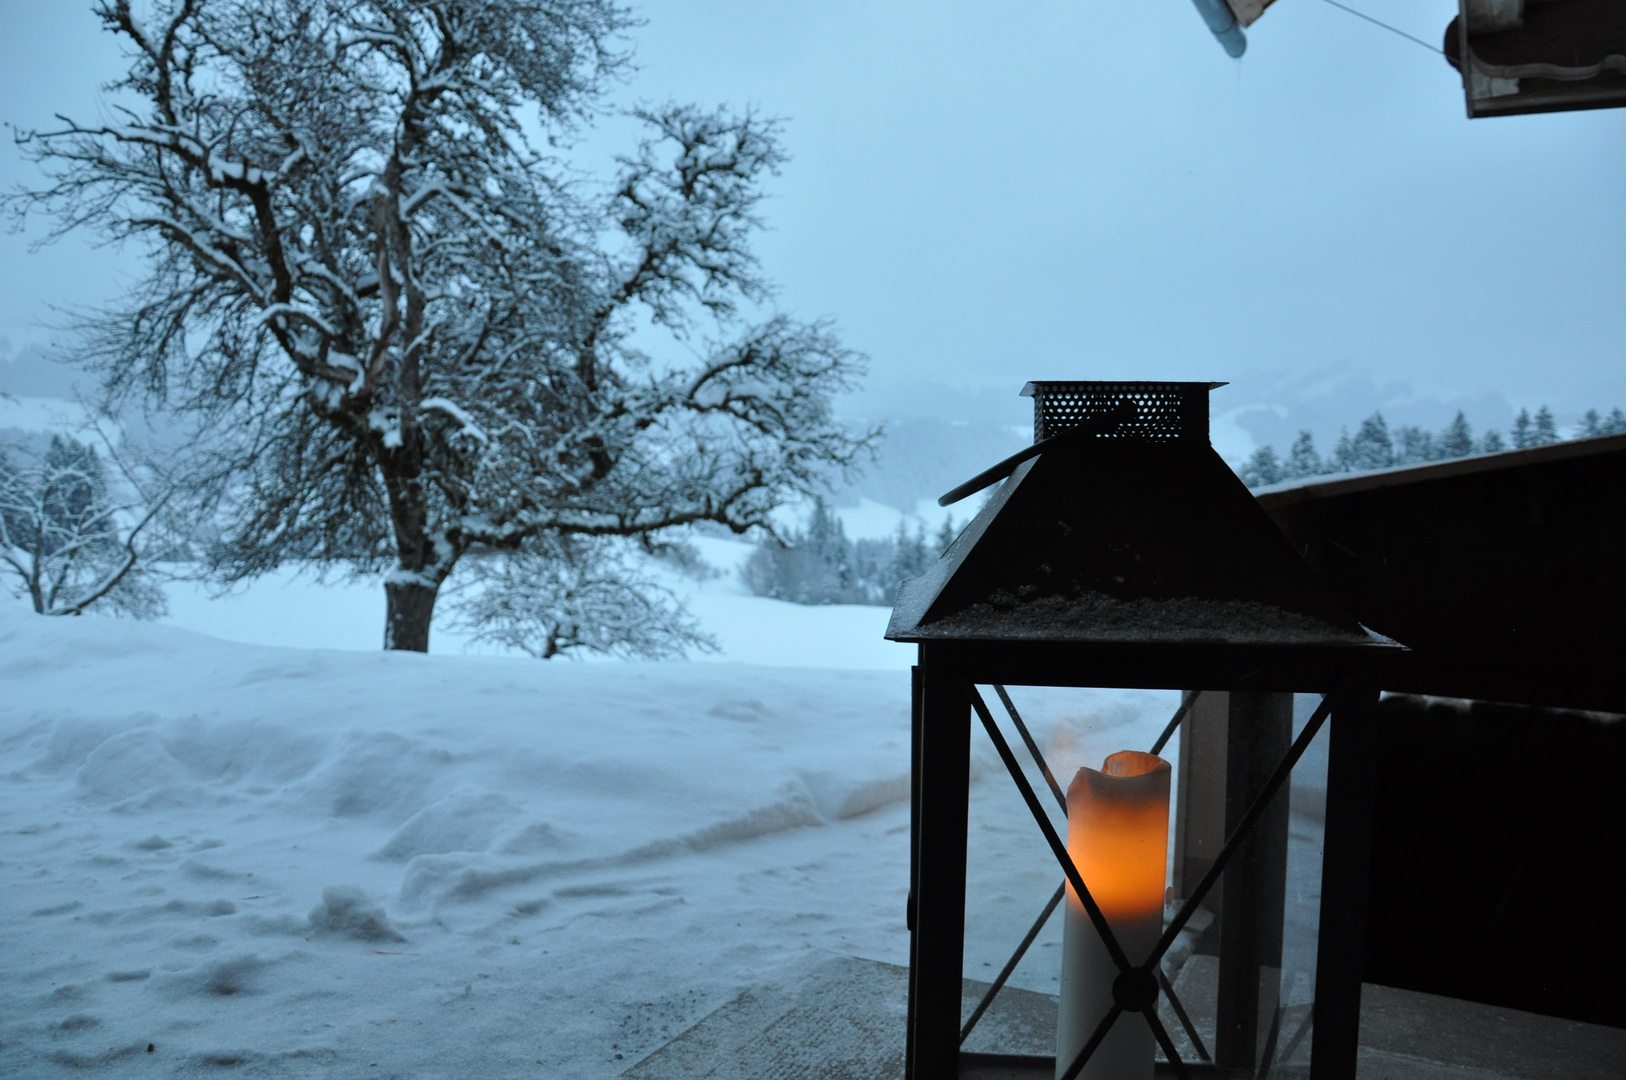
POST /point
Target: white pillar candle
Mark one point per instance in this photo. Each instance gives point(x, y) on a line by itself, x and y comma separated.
point(1118, 837)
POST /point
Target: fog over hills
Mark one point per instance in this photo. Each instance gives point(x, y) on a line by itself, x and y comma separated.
point(28, 371)
point(938, 434)
point(921, 457)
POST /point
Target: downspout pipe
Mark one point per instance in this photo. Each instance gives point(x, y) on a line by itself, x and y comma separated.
point(1217, 14)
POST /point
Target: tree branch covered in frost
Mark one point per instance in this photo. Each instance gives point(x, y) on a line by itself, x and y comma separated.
point(574, 594)
point(400, 321)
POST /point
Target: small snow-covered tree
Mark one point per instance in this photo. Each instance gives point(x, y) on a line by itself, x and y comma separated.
point(561, 594)
point(1594, 424)
point(1546, 428)
point(1413, 445)
point(826, 538)
point(1303, 459)
point(790, 571)
point(1371, 448)
point(818, 564)
point(812, 565)
point(68, 540)
point(910, 558)
point(1457, 440)
point(1262, 468)
point(1523, 431)
point(405, 320)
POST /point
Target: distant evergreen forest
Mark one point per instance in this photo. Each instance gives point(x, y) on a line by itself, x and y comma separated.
point(1375, 446)
point(820, 565)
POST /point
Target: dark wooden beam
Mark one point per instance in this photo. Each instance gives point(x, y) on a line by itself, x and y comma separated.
point(937, 946)
point(1501, 573)
point(1346, 852)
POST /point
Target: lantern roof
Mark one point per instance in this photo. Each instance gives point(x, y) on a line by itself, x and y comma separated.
point(1122, 526)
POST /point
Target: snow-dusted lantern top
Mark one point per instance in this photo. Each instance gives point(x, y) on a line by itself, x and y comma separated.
point(1124, 527)
point(1120, 550)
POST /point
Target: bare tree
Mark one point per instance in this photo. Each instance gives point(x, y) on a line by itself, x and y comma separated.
point(69, 540)
point(409, 327)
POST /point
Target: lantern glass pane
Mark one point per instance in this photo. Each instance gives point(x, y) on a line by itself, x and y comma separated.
point(1290, 1050)
point(1010, 872)
point(1283, 1033)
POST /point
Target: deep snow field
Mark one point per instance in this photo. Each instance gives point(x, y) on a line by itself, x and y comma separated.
point(290, 607)
point(274, 861)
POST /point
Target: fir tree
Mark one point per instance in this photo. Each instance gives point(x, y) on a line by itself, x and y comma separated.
point(1457, 440)
point(1523, 436)
point(1343, 453)
point(1302, 459)
point(826, 538)
point(1262, 468)
point(909, 560)
point(1546, 429)
point(1414, 445)
point(1492, 443)
point(946, 534)
point(1371, 448)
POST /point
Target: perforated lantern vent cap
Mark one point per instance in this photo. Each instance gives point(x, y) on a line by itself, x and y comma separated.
point(1163, 410)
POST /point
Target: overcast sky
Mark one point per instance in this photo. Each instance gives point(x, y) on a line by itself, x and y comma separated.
point(983, 193)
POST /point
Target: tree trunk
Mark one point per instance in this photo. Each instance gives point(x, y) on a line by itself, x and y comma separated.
point(411, 605)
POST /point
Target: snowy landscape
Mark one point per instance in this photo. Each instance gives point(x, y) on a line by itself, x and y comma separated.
point(356, 354)
point(324, 862)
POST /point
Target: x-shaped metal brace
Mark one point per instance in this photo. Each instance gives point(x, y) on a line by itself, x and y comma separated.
point(1137, 986)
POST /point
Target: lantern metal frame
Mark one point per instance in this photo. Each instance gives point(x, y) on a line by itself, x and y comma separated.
point(935, 1030)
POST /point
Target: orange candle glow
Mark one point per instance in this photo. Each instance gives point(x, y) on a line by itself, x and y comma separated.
point(1118, 837)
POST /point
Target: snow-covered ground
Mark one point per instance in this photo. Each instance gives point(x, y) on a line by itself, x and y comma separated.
point(339, 862)
point(290, 607)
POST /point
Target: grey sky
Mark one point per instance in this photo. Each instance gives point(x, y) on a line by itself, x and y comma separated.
point(984, 193)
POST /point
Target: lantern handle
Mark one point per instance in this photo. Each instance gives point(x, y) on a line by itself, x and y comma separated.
point(1098, 424)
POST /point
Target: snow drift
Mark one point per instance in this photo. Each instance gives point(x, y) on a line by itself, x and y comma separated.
point(320, 863)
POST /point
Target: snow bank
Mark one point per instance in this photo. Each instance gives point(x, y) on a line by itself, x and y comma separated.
point(307, 862)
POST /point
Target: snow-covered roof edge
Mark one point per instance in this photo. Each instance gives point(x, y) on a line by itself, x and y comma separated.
point(1288, 492)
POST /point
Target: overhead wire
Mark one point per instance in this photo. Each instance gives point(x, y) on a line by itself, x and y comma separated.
point(1386, 26)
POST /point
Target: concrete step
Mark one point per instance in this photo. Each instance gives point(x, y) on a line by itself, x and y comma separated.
point(842, 1018)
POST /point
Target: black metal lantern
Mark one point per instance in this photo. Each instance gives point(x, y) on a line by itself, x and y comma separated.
point(1121, 551)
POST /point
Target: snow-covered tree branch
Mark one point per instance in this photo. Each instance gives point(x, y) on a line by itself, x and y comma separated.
point(70, 539)
point(408, 327)
point(561, 594)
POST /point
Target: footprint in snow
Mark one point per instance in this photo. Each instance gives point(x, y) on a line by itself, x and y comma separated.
point(58, 909)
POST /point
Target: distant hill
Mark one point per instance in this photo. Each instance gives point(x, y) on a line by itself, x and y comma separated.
point(30, 372)
point(922, 457)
